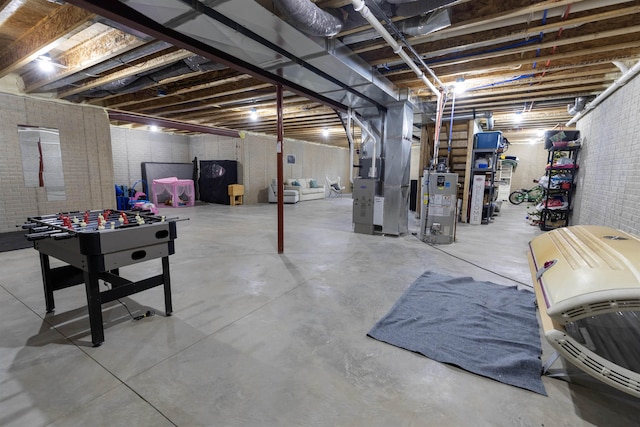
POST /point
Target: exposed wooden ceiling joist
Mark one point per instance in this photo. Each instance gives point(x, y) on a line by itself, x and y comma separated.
point(107, 45)
point(577, 47)
point(43, 36)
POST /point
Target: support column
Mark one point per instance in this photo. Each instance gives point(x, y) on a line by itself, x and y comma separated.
point(280, 183)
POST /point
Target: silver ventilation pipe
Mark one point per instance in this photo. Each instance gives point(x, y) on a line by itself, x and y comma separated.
point(578, 106)
point(309, 18)
point(604, 95)
point(423, 25)
point(374, 154)
point(351, 145)
point(418, 7)
point(470, 116)
point(118, 61)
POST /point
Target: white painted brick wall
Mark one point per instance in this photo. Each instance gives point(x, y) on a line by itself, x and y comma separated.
point(86, 158)
point(96, 156)
point(609, 179)
point(131, 147)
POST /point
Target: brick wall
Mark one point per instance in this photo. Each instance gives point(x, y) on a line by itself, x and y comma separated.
point(608, 190)
point(85, 147)
point(131, 147)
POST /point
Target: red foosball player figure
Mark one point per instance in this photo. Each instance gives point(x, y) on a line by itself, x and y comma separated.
point(86, 217)
point(123, 218)
point(106, 214)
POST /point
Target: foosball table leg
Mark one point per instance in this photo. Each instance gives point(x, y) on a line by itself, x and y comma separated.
point(45, 268)
point(166, 278)
point(95, 308)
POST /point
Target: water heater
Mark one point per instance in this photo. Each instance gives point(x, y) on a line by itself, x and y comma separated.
point(438, 211)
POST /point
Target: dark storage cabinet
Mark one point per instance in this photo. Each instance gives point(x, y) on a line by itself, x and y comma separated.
point(215, 178)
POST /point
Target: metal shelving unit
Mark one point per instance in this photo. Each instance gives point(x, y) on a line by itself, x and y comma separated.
point(561, 170)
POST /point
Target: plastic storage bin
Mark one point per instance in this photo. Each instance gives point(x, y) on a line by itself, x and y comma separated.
point(487, 140)
point(559, 138)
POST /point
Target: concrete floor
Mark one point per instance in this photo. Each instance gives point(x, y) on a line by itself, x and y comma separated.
point(261, 339)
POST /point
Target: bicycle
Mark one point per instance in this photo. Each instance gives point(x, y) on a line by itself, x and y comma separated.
point(533, 195)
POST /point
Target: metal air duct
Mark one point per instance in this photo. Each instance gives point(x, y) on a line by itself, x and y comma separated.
point(397, 161)
point(112, 63)
point(578, 106)
point(141, 81)
point(423, 25)
point(309, 18)
point(420, 7)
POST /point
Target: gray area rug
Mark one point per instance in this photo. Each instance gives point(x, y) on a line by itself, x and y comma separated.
point(14, 240)
point(484, 328)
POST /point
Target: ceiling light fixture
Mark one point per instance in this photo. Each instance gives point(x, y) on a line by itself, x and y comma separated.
point(460, 86)
point(153, 128)
point(325, 132)
point(517, 118)
point(44, 63)
point(253, 115)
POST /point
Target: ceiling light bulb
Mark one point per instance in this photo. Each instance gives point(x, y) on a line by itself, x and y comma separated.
point(460, 86)
point(518, 117)
point(44, 63)
point(153, 128)
point(325, 132)
point(254, 114)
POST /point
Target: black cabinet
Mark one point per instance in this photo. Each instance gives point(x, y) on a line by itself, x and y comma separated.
point(559, 186)
point(215, 178)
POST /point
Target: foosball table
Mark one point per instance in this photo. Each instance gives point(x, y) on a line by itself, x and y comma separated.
point(94, 245)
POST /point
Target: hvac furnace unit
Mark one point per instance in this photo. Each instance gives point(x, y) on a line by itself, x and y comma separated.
point(364, 192)
point(438, 212)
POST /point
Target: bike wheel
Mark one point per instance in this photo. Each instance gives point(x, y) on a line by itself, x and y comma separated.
point(517, 197)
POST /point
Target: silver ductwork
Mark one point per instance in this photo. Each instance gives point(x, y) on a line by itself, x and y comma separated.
point(118, 61)
point(309, 18)
point(397, 161)
point(420, 7)
point(578, 106)
point(423, 25)
point(468, 116)
point(140, 81)
point(251, 33)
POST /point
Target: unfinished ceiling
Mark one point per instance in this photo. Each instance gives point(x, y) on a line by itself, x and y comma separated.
point(212, 65)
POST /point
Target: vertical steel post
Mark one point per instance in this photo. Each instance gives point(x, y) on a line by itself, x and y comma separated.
point(280, 150)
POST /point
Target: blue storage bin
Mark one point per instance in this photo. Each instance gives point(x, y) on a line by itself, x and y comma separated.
point(122, 203)
point(487, 140)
